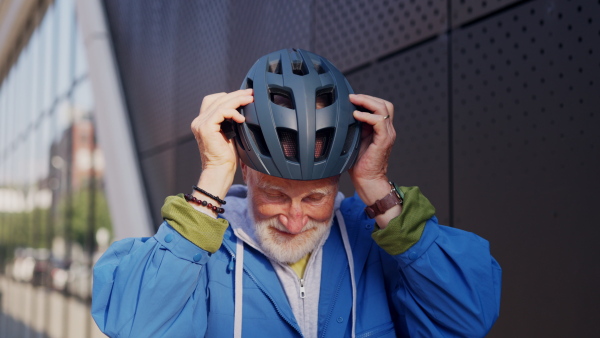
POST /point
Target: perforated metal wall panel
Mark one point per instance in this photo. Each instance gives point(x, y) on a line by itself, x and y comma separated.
point(199, 58)
point(356, 32)
point(160, 167)
point(170, 56)
point(526, 144)
point(464, 10)
point(416, 82)
point(167, 66)
point(263, 26)
point(149, 93)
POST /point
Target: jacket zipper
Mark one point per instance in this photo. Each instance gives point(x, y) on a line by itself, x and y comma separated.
point(302, 289)
point(265, 293)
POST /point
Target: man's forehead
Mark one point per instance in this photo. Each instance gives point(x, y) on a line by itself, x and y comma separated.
point(322, 188)
point(325, 185)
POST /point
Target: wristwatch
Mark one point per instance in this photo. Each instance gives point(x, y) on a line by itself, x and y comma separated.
point(395, 197)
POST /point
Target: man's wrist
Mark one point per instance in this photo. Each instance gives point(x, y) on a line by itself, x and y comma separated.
point(382, 205)
point(204, 210)
point(384, 219)
point(373, 190)
point(216, 181)
point(399, 233)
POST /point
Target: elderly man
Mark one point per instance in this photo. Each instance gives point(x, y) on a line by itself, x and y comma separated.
point(291, 256)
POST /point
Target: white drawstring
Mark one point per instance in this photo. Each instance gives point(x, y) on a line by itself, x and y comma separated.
point(344, 232)
point(239, 274)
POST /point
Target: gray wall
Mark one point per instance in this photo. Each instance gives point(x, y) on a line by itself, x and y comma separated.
point(497, 106)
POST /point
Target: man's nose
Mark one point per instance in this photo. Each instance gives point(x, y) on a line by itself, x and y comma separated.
point(295, 219)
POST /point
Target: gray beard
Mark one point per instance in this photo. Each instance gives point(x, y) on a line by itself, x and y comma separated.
point(287, 249)
point(282, 248)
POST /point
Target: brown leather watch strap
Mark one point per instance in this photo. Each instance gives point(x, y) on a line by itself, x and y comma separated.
point(384, 204)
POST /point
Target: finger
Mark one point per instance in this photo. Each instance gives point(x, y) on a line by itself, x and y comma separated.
point(226, 110)
point(230, 99)
point(234, 101)
point(372, 119)
point(214, 121)
point(376, 105)
point(369, 97)
point(383, 130)
point(209, 100)
point(390, 108)
point(232, 114)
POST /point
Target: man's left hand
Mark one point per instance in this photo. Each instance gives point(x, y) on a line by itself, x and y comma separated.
point(369, 174)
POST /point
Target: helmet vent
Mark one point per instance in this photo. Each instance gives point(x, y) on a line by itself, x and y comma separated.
point(259, 139)
point(299, 68)
point(274, 67)
point(324, 98)
point(249, 83)
point(319, 67)
point(349, 138)
point(281, 98)
point(323, 140)
point(289, 143)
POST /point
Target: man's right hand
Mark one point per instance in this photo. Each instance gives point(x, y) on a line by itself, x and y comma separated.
point(218, 154)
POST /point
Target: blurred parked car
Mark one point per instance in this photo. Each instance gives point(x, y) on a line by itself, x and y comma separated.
point(36, 266)
point(31, 266)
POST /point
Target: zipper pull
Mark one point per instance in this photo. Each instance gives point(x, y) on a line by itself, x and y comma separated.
point(302, 289)
point(231, 266)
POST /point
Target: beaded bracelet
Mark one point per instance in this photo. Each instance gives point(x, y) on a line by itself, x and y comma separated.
point(202, 191)
point(190, 198)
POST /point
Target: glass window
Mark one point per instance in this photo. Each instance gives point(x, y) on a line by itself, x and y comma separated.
point(52, 203)
point(80, 57)
point(64, 15)
point(49, 55)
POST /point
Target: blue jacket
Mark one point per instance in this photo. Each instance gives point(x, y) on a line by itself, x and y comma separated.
point(445, 285)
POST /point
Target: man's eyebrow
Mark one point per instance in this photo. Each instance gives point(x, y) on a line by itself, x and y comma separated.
point(323, 191)
point(268, 186)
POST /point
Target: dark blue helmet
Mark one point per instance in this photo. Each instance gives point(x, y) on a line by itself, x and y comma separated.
point(300, 125)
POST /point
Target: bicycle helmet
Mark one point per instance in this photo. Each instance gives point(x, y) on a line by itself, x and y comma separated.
point(298, 140)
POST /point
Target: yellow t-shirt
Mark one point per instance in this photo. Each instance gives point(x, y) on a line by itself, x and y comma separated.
point(300, 266)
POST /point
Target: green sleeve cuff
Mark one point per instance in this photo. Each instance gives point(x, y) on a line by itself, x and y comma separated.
point(197, 227)
point(406, 229)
